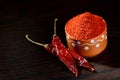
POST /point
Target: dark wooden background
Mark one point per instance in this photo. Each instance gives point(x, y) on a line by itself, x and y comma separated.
point(22, 60)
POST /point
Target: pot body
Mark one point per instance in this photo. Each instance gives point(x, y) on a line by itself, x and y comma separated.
point(88, 48)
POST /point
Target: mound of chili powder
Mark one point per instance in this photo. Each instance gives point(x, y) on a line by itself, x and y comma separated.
point(85, 26)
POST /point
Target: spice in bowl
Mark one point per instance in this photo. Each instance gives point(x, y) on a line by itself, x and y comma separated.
point(86, 34)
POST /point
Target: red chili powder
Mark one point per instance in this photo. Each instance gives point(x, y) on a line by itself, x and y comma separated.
point(85, 26)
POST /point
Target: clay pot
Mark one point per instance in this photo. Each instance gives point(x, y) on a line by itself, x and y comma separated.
point(90, 47)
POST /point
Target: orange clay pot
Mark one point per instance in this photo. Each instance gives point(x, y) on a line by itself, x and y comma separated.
point(88, 47)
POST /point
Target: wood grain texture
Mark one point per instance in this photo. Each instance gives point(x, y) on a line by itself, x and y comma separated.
point(22, 60)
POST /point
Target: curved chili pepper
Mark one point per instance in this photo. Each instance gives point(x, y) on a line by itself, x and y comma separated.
point(81, 61)
point(64, 55)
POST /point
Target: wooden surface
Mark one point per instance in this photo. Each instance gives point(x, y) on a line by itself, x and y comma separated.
point(22, 60)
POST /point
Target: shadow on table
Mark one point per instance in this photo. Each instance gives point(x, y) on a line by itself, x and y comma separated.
point(110, 56)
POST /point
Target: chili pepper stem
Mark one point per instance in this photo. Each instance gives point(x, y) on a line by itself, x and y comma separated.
point(55, 27)
point(34, 42)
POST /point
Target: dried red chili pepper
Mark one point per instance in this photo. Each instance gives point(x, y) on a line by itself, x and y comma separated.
point(81, 61)
point(63, 53)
